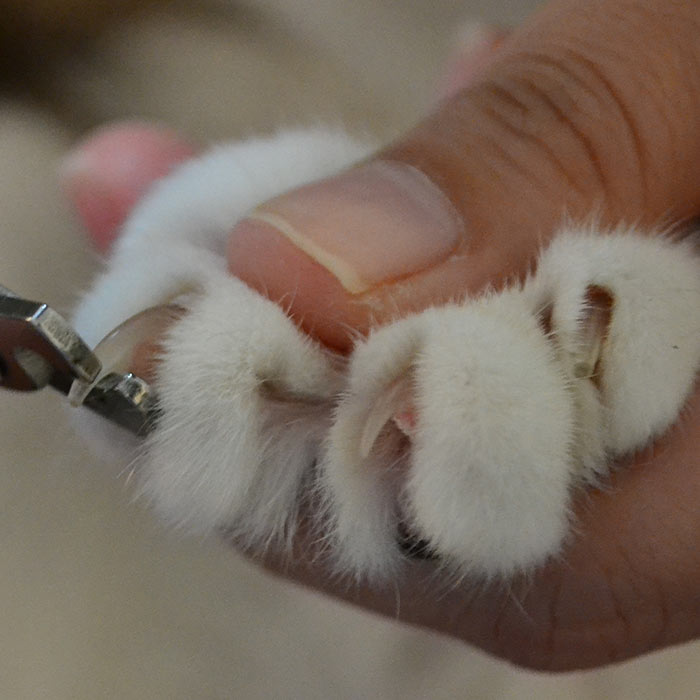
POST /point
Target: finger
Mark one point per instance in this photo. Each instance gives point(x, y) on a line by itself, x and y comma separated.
point(558, 123)
point(110, 171)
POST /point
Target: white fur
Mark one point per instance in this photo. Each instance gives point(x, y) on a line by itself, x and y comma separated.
point(653, 344)
point(245, 401)
point(470, 425)
point(361, 505)
point(490, 467)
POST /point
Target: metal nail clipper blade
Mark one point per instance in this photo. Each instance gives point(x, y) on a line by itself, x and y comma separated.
point(39, 348)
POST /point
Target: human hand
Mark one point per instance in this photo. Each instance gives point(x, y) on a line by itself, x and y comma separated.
point(572, 114)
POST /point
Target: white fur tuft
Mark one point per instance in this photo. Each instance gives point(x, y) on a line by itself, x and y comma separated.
point(652, 350)
point(245, 400)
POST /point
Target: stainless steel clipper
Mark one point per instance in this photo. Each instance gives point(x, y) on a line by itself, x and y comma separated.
point(39, 348)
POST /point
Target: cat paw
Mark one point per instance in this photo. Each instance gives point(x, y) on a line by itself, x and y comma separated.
point(467, 428)
point(459, 433)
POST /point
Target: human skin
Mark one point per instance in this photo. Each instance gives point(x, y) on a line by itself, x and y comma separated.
point(573, 113)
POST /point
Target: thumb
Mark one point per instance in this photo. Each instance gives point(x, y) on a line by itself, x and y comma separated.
point(574, 115)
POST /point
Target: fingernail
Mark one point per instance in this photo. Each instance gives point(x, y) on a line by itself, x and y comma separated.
point(375, 223)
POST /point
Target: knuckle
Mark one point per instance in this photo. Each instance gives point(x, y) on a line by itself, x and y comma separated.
point(562, 111)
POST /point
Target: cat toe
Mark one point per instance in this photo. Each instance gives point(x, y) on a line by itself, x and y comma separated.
point(245, 400)
point(457, 428)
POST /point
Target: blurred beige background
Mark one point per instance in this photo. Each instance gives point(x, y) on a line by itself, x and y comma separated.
point(96, 601)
